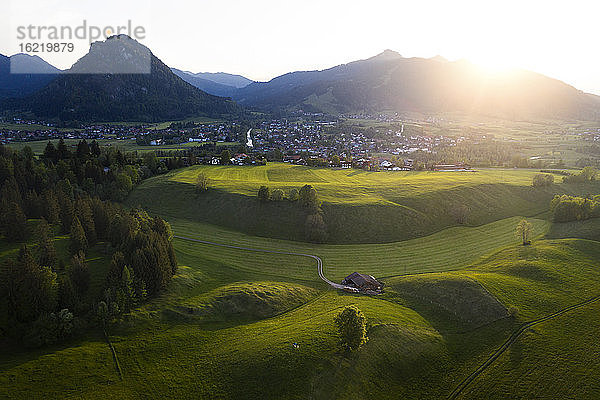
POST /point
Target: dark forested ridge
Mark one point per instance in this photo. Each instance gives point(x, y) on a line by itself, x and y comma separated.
point(23, 84)
point(157, 96)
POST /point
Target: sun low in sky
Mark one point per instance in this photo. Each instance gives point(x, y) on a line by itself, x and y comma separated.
point(262, 39)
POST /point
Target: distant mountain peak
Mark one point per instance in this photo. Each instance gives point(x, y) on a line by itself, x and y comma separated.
point(439, 58)
point(118, 54)
point(387, 55)
point(30, 64)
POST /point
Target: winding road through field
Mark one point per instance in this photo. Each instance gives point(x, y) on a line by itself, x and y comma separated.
point(513, 338)
point(468, 380)
point(316, 258)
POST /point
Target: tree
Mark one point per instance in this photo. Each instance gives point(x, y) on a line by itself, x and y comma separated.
point(66, 212)
point(523, 231)
point(151, 161)
point(277, 195)
point(264, 194)
point(225, 157)
point(27, 289)
point(51, 209)
point(308, 196)
point(67, 297)
point(83, 150)
point(80, 274)
point(352, 327)
point(293, 194)
point(50, 152)
point(14, 223)
point(62, 150)
point(78, 242)
point(315, 228)
point(46, 251)
point(540, 180)
point(335, 161)
point(202, 183)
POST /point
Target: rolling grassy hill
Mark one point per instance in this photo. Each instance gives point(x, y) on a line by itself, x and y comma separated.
point(449, 249)
point(358, 206)
point(420, 346)
point(225, 326)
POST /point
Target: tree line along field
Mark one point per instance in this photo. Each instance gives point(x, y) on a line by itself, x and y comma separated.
point(358, 206)
point(124, 145)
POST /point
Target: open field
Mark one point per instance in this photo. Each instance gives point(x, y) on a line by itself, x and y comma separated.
point(350, 186)
point(449, 249)
point(225, 326)
point(556, 359)
point(358, 206)
point(419, 346)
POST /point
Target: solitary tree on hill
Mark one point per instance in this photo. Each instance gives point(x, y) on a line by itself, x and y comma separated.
point(524, 230)
point(202, 183)
point(352, 326)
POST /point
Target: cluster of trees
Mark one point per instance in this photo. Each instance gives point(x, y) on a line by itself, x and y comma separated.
point(588, 174)
point(107, 173)
point(314, 226)
point(569, 208)
point(540, 180)
point(40, 289)
point(47, 293)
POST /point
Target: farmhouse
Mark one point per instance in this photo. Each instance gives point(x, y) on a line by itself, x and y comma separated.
point(362, 282)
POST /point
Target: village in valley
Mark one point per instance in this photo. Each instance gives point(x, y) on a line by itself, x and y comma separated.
point(303, 141)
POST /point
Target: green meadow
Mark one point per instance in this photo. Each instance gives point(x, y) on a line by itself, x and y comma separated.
point(226, 325)
point(358, 206)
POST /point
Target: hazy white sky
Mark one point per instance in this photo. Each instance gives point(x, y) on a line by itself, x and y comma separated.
point(265, 38)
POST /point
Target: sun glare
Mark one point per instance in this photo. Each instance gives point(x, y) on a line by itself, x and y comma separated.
point(494, 64)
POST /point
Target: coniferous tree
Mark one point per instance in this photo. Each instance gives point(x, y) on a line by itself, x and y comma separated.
point(14, 223)
point(67, 297)
point(67, 212)
point(80, 274)
point(46, 251)
point(83, 211)
point(51, 210)
point(27, 289)
point(79, 241)
point(50, 152)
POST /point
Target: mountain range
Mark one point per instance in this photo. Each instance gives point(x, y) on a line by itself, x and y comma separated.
point(215, 85)
point(385, 82)
point(158, 95)
point(391, 82)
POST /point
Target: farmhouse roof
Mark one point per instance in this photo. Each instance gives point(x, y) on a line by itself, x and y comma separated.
point(361, 280)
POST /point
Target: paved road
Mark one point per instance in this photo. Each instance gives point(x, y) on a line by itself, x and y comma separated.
point(467, 381)
point(316, 258)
